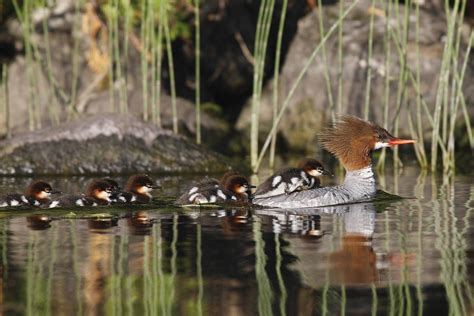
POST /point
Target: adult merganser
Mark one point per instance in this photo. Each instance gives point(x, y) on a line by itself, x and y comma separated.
point(98, 193)
point(351, 140)
point(289, 180)
point(38, 193)
point(235, 188)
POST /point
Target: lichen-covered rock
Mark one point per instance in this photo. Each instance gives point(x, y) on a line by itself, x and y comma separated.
point(105, 144)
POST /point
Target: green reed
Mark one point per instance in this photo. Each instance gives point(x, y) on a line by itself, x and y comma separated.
point(169, 54)
point(145, 25)
point(326, 71)
point(281, 282)
point(261, 40)
point(4, 100)
point(369, 61)
point(75, 61)
point(197, 72)
point(276, 75)
point(295, 85)
point(24, 16)
point(340, 64)
point(53, 107)
point(265, 294)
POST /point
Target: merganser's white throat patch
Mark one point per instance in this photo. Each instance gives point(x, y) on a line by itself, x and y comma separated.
point(379, 145)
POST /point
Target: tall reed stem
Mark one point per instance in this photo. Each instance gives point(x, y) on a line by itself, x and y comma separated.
point(261, 39)
point(169, 53)
point(197, 74)
point(326, 73)
point(369, 60)
point(298, 80)
point(6, 100)
point(276, 77)
point(442, 82)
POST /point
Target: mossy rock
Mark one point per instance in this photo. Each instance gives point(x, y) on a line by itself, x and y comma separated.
point(105, 144)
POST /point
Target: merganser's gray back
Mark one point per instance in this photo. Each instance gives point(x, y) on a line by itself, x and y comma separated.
point(358, 185)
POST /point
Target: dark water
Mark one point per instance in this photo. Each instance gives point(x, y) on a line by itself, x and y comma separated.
point(405, 257)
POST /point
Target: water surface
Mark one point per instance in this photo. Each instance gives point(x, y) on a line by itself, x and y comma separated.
point(412, 256)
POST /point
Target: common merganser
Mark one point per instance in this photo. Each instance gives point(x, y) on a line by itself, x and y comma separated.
point(351, 140)
point(209, 182)
point(289, 180)
point(235, 188)
point(137, 190)
point(38, 193)
point(98, 193)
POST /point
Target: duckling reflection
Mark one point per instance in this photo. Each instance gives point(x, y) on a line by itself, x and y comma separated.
point(235, 222)
point(140, 223)
point(38, 222)
point(101, 225)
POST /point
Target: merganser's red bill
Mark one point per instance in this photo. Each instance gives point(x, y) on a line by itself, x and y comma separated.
point(399, 141)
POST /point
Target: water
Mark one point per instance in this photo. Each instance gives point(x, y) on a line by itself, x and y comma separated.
point(410, 257)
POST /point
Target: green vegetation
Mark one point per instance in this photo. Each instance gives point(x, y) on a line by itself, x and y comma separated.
point(112, 29)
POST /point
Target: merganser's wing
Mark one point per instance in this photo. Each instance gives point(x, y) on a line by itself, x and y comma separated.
point(308, 198)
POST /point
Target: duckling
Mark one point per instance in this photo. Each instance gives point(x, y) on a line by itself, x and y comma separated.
point(304, 177)
point(206, 182)
point(38, 193)
point(235, 188)
point(138, 190)
point(98, 193)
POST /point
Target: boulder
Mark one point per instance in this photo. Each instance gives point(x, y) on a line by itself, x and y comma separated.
point(102, 144)
point(309, 109)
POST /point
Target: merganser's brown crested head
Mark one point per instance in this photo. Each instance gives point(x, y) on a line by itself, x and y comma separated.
point(140, 184)
point(100, 190)
point(114, 184)
point(352, 139)
point(239, 185)
point(40, 191)
point(228, 174)
point(313, 167)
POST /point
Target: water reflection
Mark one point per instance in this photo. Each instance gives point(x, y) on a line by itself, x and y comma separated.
point(406, 257)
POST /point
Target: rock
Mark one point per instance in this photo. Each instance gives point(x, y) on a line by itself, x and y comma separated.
point(309, 109)
point(105, 144)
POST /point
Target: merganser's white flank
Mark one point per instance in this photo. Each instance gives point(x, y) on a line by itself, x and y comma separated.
point(351, 140)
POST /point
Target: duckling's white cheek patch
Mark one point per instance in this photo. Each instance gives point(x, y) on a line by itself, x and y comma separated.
point(315, 173)
point(193, 190)
point(79, 203)
point(233, 198)
point(122, 199)
point(212, 199)
point(294, 180)
point(379, 145)
point(144, 190)
point(103, 195)
point(14, 203)
point(276, 181)
point(43, 195)
point(36, 203)
point(25, 200)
